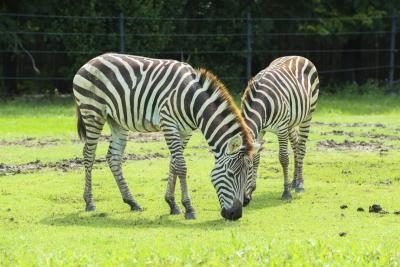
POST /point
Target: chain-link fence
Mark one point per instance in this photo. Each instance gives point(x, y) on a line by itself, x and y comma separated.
point(42, 52)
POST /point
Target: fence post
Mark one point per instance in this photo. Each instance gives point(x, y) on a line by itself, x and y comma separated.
point(121, 33)
point(392, 51)
point(249, 52)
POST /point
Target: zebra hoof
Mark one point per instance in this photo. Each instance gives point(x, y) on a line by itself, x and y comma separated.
point(190, 216)
point(132, 203)
point(299, 190)
point(175, 211)
point(294, 184)
point(90, 207)
point(287, 196)
point(136, 208)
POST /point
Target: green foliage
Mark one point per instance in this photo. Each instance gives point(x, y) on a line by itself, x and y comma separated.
point(168, 20)
point(371, 87)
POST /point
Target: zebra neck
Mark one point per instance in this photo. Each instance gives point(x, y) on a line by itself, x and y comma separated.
point(215, 120)
point(253, 119)
point(215, 113)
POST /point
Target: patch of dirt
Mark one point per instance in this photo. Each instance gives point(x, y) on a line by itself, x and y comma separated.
point(65, 164)
point(367, 135)
point(31, 142)
point(139, 137)
point(385, 182)
point(40, 142)
point(338, 132)
point(355, 124)
point(353, 145)
point(381, 136)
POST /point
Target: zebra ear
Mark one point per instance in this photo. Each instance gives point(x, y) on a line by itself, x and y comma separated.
point(234, 144)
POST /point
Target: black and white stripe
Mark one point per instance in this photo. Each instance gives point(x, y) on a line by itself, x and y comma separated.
point(282, 99)
point(141, 94)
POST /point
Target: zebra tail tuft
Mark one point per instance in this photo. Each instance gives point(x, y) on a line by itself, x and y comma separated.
point(80, 125)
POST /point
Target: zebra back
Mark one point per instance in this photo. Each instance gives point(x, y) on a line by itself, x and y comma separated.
point(284, 92)
point(138, 93)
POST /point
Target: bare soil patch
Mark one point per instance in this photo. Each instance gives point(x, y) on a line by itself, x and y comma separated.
point(353, 145)
point(339, 133)
point(381, 136)
point(139, 137)
point(355, 124)
point(31, 142)
point(41, 142)
point(65, 164)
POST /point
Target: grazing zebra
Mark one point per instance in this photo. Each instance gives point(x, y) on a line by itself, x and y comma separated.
point(141, 94)
point(282, 99)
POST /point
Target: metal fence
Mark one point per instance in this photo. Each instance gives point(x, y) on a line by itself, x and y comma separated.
point(253, 42)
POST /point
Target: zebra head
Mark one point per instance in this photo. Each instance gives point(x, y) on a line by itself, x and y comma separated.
point(252, 173)
point(229, 177)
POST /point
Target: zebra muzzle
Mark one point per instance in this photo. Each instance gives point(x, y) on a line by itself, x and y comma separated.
point(234, 213)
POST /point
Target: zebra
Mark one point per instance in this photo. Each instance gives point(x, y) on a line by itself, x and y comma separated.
point(133, 93)
point(281, 99)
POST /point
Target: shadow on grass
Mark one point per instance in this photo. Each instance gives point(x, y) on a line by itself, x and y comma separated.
point(264, 200)
point(103, 220)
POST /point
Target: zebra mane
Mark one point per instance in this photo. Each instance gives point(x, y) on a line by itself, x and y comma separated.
point(217, 85)
point(246, 92)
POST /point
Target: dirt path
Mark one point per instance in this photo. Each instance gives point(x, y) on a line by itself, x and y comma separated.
point(65, 164)
point(354, 124)
point(353, 145)
point(41, 142)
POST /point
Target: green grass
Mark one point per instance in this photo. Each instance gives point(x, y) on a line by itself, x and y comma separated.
point(42, 222)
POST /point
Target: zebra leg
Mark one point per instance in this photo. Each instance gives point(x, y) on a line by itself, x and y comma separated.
point(175, 145)
point(170, 193)
point(185, 198)
point(301, 152)
point(119, 138)
point(93, 127)
point(284, 160)
point(294, 138)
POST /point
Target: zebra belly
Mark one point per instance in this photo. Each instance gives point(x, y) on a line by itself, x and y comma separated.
point(140, 123)
point(298, 118)
point(147, 124)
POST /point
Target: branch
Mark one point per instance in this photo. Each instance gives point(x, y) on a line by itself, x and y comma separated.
point(18, 42)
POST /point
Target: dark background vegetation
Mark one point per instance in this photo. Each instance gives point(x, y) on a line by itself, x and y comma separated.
point(349, 41)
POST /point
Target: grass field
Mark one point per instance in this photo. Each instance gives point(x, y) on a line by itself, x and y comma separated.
point(353, 159)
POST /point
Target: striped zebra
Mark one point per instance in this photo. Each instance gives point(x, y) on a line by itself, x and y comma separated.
point(133, 93)
point(281, 99)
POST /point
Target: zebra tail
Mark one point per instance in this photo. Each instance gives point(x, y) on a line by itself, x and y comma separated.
point(80, 125)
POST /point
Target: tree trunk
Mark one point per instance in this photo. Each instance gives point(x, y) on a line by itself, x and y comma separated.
point(10, 70)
